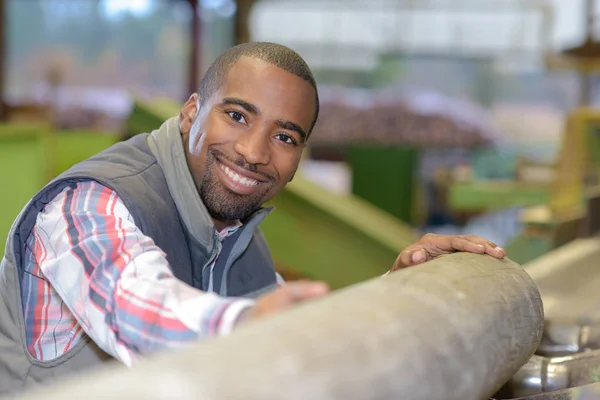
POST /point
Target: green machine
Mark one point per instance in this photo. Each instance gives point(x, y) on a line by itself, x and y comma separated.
point(557, 210)
point(395, 188)
point(571, 210)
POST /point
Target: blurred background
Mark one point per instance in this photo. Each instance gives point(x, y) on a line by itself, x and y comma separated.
point(447, 116)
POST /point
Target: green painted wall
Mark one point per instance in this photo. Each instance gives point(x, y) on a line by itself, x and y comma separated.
point(339, 239)
point(22, 162)
point(76, 145)
point(30, 156)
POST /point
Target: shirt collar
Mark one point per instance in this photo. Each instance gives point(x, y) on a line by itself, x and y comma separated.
point(229, 230)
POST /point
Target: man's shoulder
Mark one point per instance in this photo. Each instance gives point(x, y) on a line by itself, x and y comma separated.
point(122, 159)
point(127, 170)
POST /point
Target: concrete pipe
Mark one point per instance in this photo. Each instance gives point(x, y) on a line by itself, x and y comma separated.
point(457, 328)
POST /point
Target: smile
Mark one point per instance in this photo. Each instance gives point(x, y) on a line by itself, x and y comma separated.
point(242, 180)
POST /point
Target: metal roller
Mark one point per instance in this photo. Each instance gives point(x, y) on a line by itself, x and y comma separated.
point(457, 328)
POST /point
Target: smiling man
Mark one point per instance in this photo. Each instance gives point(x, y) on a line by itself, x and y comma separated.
point(155, 242)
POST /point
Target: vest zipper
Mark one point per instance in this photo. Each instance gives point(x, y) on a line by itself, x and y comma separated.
point(207, 269)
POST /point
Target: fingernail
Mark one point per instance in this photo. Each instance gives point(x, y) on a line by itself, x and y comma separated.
point(499, 248)
point(481, 246)
point(418, 256)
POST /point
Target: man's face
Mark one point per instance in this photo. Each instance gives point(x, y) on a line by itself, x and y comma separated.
point(246, 142)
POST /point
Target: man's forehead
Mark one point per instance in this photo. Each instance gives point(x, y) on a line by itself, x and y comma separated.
point(254, 76)
point(246, 66)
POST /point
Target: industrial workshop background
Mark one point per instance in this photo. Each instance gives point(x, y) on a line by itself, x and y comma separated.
point(459, 108)
point(447, 116)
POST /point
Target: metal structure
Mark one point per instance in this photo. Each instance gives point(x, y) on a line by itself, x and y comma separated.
point(353, 34)
point(566, 365)
point(241, 34)
point(195, 47)
point(585, 58)
point(560, 208)
point(242, 15)
point(455, 328)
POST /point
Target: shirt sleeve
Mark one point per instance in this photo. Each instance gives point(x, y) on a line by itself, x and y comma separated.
point(279, 279)
point(118, 283)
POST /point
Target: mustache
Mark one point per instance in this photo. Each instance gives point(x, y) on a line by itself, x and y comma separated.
point(242, 163)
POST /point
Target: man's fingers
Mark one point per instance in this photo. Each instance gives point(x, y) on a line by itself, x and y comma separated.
point(468, 243)
point(460, 243)
point(431, 246)
point(490, 247)
point(303, 290)
point(404, 259)
point(285, 297)
point(418, 256)
point(497, 252)
point(410, 256)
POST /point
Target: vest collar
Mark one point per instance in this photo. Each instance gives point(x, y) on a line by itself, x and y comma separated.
point(167, 146)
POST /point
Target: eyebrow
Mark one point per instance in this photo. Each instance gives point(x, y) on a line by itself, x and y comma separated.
point(251, 108)
point(289, 125)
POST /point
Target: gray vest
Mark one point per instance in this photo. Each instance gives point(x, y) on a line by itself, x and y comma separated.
point(244, 267)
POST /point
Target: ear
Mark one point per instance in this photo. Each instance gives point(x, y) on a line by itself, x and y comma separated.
point(188, 114)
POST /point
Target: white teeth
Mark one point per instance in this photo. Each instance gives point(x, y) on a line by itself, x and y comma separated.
point(238, 178)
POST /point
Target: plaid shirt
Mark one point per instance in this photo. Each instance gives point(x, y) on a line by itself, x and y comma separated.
point(90, 271)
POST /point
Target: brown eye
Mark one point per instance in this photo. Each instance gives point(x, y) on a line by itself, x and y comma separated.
point(285, 138)
point(237, 116)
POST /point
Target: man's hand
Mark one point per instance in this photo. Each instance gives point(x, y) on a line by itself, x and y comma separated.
point(431, 246)
point(285, 297)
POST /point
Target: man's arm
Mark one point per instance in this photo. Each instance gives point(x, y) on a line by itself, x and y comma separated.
point(117, 283)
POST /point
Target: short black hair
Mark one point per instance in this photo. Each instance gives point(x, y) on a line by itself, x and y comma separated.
point(273, 53)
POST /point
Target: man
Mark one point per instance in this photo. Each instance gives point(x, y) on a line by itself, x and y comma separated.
point(154, 243)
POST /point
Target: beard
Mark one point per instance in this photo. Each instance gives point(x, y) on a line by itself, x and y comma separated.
point(220, 202)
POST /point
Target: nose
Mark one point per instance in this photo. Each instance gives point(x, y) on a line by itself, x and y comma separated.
point(254, 146)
